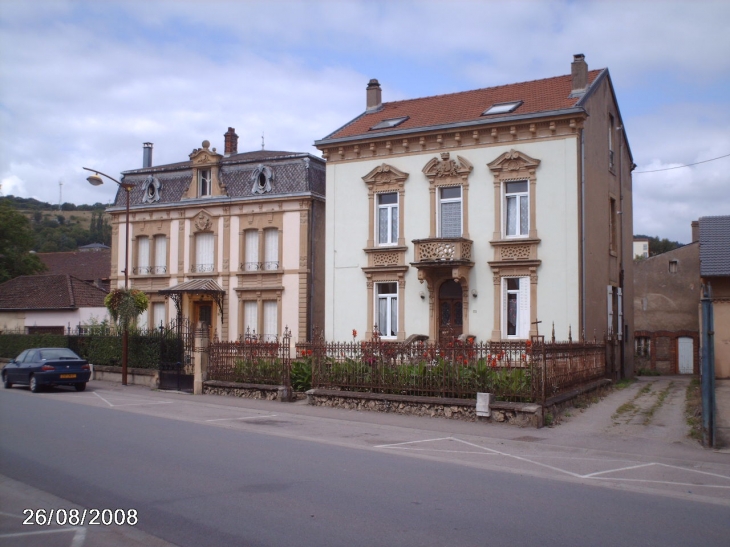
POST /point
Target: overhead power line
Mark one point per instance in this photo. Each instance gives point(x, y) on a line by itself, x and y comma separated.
point(680, 166)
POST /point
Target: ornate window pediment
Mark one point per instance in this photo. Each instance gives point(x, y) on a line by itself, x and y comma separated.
point(513, 161)
point(203, 222)
point(385, 175)
point(446, 170)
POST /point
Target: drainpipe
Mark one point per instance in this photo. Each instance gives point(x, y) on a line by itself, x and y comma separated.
point(582, 232)
point(707, 368)
point(621, 328)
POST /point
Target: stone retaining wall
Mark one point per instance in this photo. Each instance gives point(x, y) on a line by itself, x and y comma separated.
point(248, 391)
point(135, 376)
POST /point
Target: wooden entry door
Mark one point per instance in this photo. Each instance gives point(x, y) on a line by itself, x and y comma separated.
point(203, 312)
point(451, 311)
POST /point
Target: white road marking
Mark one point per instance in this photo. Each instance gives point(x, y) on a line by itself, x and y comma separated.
point(590, 476)
point(21, 534)
point(132, 404)
point(243, 418)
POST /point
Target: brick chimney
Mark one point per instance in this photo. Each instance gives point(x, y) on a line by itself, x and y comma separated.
point(374, 96)
point(579, 72)
point(695, 231)
point(147, 155)
point(231, 142)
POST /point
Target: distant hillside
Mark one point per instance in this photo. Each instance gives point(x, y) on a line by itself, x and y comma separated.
point(65, 230)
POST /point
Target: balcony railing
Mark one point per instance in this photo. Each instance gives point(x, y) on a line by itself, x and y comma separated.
point(443, 250)
point(149, 270)
point(259, 266)
point(202, 268)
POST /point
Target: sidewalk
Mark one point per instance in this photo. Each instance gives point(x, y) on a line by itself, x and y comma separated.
point(722, 425)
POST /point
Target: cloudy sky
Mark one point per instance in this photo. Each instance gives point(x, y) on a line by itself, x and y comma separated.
point(85, 83)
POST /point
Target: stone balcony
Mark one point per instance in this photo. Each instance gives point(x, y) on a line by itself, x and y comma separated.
point(441, 251)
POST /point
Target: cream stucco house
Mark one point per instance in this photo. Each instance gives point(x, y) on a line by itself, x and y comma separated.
point(492, 212)
point(233, 240)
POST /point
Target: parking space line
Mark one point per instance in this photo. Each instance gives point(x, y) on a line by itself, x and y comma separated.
point(590, 475)
point(242, 418)
point(132, 404)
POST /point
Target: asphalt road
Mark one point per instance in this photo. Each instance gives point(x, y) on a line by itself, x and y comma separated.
point(211, 471)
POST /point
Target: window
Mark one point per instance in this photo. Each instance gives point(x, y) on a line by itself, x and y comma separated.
point(387, 309)
point(270, 330)
point(502, 108)
point(610, 141)
point(158, 314)
point(517, 208)
point(387, 124)
point(673, 266)
point(516, 307)
point(271, 249)
point(251, 252)
point(450, 211)
point(387, 218)
point(204, 253)
point(142, 320)
point(143, 256)
point(204, 179)
point(643, 346)
point(160, 266)
point(250, 318)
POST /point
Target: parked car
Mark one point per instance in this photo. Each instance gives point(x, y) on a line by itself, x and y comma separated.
point(39, 367)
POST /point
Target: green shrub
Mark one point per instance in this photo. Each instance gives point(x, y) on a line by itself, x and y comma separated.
point(301, 375)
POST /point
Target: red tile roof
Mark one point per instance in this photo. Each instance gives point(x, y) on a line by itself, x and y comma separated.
point(537, 96)
point(49, 292)
point(86, 265)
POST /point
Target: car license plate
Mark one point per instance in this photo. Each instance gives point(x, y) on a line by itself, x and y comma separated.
point(64, 376)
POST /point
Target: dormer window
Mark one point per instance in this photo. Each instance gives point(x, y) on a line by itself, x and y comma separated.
point(262, 178)
point(502, 108)
point(389, 123)
point(204, 182)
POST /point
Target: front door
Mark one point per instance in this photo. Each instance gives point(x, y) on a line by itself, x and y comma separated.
point(451, 311)
point(203, 313)
point(685, 355)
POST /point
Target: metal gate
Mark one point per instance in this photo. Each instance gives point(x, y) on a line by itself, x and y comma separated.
point(685, 354)
point(176, 357)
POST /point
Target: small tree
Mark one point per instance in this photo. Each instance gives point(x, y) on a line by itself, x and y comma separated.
point(125, 305)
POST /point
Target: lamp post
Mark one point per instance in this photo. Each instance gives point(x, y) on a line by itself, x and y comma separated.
point(96, 180)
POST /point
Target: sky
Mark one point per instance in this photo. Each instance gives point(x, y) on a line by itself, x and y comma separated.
point(86, 83)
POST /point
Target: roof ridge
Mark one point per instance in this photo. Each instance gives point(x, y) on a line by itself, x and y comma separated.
point(598, 70)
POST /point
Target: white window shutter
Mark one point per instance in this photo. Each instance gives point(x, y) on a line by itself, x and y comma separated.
point(271, 249)
point(142, 320)
point(158, 313)
point(252, 249)
point(204, 249)
point(250, 317)
point(270, 321)
point(524, 304)
point(143, 254)
point(609, 303)
point(504, 308)
point(620, 314)
point(160, 253)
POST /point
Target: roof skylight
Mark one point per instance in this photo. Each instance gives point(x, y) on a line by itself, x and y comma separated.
point(387, 124)
point(502, 108)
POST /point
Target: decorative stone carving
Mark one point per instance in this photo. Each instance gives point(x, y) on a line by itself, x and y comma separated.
point(443, 250)
point(447, 168)
point(513, 161)
point(515, 252)
point(262, 177)
point(385, 259)
point(151, 186)
point(203, 222)
point(383, 175)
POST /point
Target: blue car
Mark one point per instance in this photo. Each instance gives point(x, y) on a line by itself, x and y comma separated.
point(40, 367)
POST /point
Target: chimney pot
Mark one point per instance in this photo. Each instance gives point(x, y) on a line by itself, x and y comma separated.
point(231, 142)
point(374, 96)
point(695, 230)
point(579, 73)
point(147, 155)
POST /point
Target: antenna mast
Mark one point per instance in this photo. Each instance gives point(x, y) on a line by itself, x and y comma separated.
point(60, 193)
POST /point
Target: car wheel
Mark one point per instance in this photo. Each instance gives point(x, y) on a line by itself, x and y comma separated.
point(7, 383)
point(34, 385)
point(81, 386)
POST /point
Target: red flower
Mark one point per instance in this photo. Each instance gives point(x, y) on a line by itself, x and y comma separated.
point(528, 344)
point(354, 333)
point(494, 363)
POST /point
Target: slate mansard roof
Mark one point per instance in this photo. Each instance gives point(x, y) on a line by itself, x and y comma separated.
point(293, 173)
point(715, 246)
point(548, 96)
point(49, 292)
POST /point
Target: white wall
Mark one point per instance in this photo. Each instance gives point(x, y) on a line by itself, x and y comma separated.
point(557, 223)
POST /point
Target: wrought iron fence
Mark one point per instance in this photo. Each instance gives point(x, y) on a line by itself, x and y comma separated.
point(251, 360)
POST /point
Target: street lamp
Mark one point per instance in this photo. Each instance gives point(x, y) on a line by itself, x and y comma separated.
point(96, 180)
